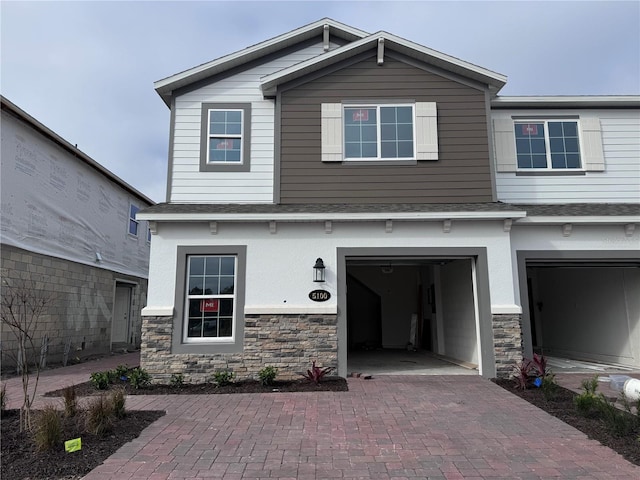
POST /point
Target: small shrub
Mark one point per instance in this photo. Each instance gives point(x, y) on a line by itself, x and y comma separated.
point(122, 372)
point(539, 366)
point(588, 403)
point(118, 399)
point(139, 378)
point(100, 380)
point(48, 428)
point(112, 375)
point(223, 377)
point(267, 375)
point(549, 386)
point(590, 385)
point(70, 400)
point(316, 374)
point(177, 380)
point(99, 416)
point(523, 373)
point(618, 422)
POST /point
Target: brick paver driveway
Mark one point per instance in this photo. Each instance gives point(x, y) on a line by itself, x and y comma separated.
point(388, 427)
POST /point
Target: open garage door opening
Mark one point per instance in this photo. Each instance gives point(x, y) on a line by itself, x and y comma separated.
point(411, 315)
point(585, 311)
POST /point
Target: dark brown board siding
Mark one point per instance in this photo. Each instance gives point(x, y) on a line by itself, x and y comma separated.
point(462, 174)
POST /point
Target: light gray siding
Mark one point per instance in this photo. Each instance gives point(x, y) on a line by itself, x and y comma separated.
point(461, 174)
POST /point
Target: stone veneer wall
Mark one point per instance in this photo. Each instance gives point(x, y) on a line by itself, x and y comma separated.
point(507, 341)
point(81, 306)
point(288, 342)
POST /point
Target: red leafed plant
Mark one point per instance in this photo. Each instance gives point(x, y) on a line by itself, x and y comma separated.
point(316, 374)
point(539, 365)
point(522, 373)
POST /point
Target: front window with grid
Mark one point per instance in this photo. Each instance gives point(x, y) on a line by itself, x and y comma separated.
point(225, 136)
point(548, 144)
point(210, 305)
point(379, 132)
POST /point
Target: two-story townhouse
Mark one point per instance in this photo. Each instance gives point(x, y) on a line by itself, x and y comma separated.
point(332, 191)
point(68, 233)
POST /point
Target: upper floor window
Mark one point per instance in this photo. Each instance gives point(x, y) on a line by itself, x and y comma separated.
point(379, 132)
point(133, 223)
point(547, 144)
point(225, 137)
point(385, 131)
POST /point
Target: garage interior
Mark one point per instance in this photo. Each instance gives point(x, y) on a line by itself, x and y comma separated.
point(585, 311)
point(411, 315)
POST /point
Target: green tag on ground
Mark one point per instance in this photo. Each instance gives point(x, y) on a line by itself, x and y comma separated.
point(73, 445)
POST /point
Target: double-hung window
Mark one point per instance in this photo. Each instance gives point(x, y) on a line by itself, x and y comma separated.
point(211, 297)
point(374, 132)
point(547, 144)
point(133, 223)
point(225, 137)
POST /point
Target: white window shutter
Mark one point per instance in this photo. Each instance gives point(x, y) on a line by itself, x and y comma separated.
point(591, 138)
point(426, 131)
point(331, 135)
point(504, 145)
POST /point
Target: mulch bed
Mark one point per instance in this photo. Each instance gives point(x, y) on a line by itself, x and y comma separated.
point(562, 407)
point(21, 460)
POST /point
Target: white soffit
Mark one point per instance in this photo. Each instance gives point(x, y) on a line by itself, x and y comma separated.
point(393, 42)
point(166, 86)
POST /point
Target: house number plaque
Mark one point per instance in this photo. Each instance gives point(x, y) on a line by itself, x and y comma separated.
point(319, 295)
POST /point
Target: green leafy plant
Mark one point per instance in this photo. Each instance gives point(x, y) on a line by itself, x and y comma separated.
point(619, 422)
point(70, 400)
point(118, 399)
point(177, 380)
point(48, 428)
point(316, 374)
point(99, 416)
point(549, 386)
point(588, 402)
point(122, 372)
point(268, 375)
point(100, 380)
point(139, 378)
point(223, 377)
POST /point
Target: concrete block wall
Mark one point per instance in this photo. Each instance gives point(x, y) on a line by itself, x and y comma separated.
point(507, 340)
point(288, 342)
point(80, 307)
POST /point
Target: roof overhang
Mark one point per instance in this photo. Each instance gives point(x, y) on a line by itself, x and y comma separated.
point(566, 101)
point(166, 86)
point(493, 80)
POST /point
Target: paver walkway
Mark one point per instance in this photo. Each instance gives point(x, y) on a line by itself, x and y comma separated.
point(433, 427)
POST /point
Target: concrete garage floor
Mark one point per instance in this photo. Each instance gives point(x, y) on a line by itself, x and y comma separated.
point(403, 362)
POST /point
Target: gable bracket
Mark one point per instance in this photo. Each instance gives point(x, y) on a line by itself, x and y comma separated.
point(629, 228)
point(328, 227)
point(566, 229)
point(388, 227)
point(153, 227)
point(507, 224)
point(272, 227)
point(213, 228)
point(446, 226)
point(380, 51)
point(325, 37)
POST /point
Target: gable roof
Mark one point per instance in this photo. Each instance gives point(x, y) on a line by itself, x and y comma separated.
point(411, 49)
point(166, 86)
point(358, 42)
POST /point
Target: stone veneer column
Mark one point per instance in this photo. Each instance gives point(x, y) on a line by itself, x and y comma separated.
point(507, 342)
point(288, 342)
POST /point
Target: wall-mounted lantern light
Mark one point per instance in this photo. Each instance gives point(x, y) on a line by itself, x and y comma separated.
point(318, 271)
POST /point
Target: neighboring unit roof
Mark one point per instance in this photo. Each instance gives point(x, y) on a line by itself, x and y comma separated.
point(73, 150)
point(568, 101)
point(166, 86)
point(392, 42)
point(581, 209)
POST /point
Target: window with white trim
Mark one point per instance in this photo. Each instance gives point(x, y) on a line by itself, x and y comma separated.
point(547, 144)
point(210, 299)
point(133, 223)
point(225, 137)
point(373, 132)
point(379, 131)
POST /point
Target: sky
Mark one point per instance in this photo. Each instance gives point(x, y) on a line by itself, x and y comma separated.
point(86, 69)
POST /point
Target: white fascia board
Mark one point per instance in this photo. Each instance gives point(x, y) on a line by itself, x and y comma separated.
point(560, 101)
point(166, 85)
point(592, 220)
point(427, 55)
point(318, 217)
